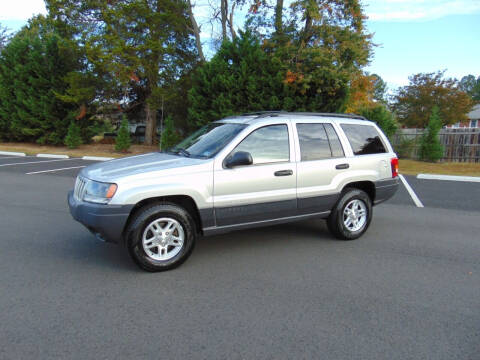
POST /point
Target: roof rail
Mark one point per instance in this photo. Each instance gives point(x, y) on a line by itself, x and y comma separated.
point(351, 116)
point(261, 114)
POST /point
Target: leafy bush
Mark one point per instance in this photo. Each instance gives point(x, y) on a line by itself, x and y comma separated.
point(383, 118)
point(405, 148)
point(73, 138)
point(123, 140)
point(430, 147)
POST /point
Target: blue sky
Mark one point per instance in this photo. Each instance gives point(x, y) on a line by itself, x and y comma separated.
point(413, 35)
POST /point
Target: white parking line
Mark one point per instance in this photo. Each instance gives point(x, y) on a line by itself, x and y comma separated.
point(36, 162)
point(414, 196)
point(46, 171)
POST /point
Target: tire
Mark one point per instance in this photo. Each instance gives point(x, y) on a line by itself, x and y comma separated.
point(161, 237)
point(345, 225)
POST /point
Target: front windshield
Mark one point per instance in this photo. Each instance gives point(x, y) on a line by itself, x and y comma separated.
point(208, 141)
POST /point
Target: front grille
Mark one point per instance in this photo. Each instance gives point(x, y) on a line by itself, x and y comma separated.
point(80, 188)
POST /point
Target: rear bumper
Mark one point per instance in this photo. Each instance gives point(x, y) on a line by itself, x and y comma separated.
point(105, 221)
point(385, 189)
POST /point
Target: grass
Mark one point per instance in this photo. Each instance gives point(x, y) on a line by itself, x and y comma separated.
point(408, 167)
point(413, 167)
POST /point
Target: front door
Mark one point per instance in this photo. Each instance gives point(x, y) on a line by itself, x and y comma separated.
point(261, 191)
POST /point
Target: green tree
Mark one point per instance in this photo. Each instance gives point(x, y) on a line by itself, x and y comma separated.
point(382, 117)
point(321, 46)
point(241, 77)
point(471, 86)
point(123, 141)
point(170, 136)
point(32, 70)
point(141, 45)
point(74, 136)
point(414, 103)
point(430, 147)
point(379, 89)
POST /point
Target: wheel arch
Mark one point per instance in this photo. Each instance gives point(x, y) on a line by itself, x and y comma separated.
point(183, 201)
point(367, 186)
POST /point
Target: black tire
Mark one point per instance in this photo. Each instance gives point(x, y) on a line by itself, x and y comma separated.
point(145, 217)
point(335, 221)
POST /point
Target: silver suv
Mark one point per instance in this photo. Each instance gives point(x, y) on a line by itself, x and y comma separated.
point(240, 172)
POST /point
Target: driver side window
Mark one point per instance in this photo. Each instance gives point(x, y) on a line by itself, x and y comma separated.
point(268, 144)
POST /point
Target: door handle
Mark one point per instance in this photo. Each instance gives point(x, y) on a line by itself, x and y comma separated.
point(283, 173)
point(342, 166)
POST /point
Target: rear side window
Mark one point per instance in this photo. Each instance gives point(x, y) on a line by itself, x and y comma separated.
point(335, 144)
point(364, 139)
point(318, 141)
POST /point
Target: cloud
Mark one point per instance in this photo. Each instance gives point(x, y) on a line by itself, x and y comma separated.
point(418, 10)
point(21, 9)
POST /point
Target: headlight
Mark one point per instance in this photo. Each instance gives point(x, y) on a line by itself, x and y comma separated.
point(98, 192)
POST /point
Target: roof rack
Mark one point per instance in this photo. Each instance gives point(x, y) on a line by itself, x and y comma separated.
point(351, 116)
point(261, 114)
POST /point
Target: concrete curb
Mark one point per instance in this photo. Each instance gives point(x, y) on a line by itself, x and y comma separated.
point(449, 177)
point(12, 153)
point(53, 156)
point(97, 158)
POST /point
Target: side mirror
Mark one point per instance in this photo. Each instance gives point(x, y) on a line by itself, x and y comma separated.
point(238, 158)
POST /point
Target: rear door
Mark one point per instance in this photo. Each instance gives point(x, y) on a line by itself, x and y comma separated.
point(262, 191)
point(320, 165)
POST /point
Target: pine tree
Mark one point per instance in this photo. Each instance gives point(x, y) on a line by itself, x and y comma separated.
point(241, 77)
point(32, 70)
point(73, 138)
point(430, 147)
point(123, 141)
point(170, 136)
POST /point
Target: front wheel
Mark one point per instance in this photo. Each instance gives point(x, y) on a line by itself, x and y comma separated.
point(351, 215)
point(161, 237)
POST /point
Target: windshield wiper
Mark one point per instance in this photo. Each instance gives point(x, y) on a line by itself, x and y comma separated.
point(180, 151)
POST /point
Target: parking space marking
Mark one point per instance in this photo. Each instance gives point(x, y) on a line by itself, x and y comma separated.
point(36, 162)
point(46, 171)
point(414, 196)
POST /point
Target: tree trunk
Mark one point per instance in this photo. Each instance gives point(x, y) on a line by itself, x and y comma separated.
point(278, 17)
point(223, 13)
point(150, 125)
point(196, 31)
point(230, 22)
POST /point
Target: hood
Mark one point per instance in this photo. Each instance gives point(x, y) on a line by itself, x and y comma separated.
point(112, 170)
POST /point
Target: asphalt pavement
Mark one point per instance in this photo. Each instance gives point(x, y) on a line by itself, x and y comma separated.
point(408, 289)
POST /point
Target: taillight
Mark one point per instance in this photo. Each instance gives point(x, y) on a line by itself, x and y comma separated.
point(394, 163)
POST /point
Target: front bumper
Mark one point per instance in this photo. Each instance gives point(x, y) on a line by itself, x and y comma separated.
point(104, 221)
point(385, 189)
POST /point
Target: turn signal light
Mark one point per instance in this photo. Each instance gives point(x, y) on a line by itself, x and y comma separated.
point(394, 163)
point(111, 191)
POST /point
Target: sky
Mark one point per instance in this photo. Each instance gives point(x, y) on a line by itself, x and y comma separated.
point(412, 36)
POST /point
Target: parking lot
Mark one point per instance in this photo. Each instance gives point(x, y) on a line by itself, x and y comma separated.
point(408, 289)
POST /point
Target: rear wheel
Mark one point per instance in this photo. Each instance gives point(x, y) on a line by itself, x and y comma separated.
point(351, 215)
point(161, 237)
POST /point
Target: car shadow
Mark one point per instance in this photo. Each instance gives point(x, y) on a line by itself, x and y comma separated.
point(276, 236)
point(82, 249)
